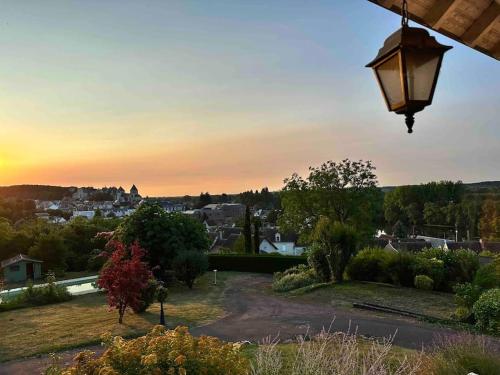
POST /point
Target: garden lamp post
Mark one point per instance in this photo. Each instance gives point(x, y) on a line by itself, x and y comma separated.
point(407, 69)
point(215, 277)
point(161, 295)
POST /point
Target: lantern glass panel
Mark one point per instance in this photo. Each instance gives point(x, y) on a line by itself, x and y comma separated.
point(421, 69)
point(389, 75)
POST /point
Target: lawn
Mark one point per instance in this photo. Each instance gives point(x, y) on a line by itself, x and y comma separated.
point(435, 304)
point(84, 319)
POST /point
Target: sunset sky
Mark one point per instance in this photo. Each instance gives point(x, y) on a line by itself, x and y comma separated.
point(181, 97)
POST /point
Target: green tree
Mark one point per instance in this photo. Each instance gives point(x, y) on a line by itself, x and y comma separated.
point(489, 224)
point(247, 231)
point(163, 235)
point(256, 234)
point(340, 241)
point(50, 248)
point(345, 192)
point(205, 198)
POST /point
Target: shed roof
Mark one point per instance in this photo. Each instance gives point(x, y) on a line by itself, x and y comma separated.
point(475, 23)
point(18, 258)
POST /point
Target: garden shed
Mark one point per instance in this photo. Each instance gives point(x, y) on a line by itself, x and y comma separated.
point(21, 268)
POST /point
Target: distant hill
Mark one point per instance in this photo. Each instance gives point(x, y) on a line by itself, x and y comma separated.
point(473, 187)
point(41, 192)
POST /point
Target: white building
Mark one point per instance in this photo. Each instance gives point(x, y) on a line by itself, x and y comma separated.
point(285, 245)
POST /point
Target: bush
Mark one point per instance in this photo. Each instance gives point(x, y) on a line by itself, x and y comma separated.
point(423, 282)
point(369, 265)
point(147, 296)
point(188, 265)
point(462, 354)
point(487, 311)
point(254, 263)
point(401, 268)
point(456, 266)
point(294, 278)
point(467, 294)
point(38, 295)
point(316, 257)
point(488, 276)
point(433, 268)
point(161, 352)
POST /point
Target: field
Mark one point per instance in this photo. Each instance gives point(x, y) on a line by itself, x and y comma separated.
point(81, 321)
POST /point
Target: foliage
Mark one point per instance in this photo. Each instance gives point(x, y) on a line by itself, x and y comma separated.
point(489, 224)
point(316, 257)
point(188, 265)
point(37, 296)
point(449, 267)
point(487, 311)
point(336, 353)
point(294, 278)
point(163, 235)
point(400, 267)
point(424, 282)
point(467, 294)
point(247, 231)
point(345, 192)
point(254, 263)
point(434, 203)
point(124, 276)
point(205, 198)
point(340, 242)
point(488, 276)
point(50, 249)
point(147, 296)
point(369, 265)
point(80, 237)
point(263, 199)
point(462, 354)
point(256, 235)
point(161, 351)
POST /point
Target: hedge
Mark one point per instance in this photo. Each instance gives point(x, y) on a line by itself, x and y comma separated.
point(254, 263)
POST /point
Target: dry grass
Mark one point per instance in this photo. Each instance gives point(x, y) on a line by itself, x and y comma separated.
point(336, 354)
point(436, 304)
point(83, 320)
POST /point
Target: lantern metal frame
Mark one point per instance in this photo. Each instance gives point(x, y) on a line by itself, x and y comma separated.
point(402, 42)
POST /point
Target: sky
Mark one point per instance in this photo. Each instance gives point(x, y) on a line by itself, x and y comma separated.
point(181, 97)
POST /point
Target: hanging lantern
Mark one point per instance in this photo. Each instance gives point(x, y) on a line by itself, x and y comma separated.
point(407, 69)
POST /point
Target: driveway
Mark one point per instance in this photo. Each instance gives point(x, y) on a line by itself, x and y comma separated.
point(253, 313)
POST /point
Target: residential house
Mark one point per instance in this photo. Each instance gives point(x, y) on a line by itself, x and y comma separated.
point(276, 242)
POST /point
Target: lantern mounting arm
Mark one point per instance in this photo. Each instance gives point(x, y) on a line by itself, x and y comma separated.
point(404, 13)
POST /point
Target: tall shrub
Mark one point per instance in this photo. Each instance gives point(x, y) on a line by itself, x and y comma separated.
point(340, 241)
point(188, 265)
point(316, 257)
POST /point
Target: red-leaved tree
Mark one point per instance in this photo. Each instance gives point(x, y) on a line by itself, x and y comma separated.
point(124, 276)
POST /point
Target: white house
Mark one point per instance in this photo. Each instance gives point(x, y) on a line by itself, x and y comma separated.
point(285, 245)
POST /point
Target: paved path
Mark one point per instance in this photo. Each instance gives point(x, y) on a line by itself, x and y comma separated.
point(253, 314)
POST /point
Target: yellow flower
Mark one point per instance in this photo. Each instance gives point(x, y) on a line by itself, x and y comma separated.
point(149, 360)
point(182, 371)
point(179, 361)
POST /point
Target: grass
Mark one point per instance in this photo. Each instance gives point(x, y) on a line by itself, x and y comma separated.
point(84, 319)
point(435, 304)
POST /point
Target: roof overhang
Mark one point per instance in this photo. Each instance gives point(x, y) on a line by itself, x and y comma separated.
point(475, 23)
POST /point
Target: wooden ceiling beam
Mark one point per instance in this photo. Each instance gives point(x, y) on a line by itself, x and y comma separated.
point(438, 11)
point(483, 23)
